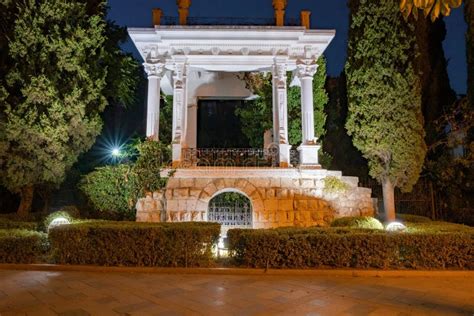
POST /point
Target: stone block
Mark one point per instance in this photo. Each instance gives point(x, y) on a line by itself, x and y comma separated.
point(201, 182)
point(240, 183)
point(210, 189)
point(261, 182)
point(281, 193)
point(307, 183)
point(187, 182)
point(287, 183)
point(169, 194)
point(173, 183)
point(313, 204)
point(270, 193)
point(229, 182)
point(301, 205)
point(172, 205)
point(195, 192)
point(201, 206)
point(181, 193)
point(285, 205)
point(275, 182)
point(270, 205)
point(219, 183)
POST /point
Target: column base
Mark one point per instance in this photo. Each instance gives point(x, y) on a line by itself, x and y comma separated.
point(309, 156)
point(284, 155)
point(176, 155)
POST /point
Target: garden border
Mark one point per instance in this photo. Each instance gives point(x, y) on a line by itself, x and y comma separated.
point(241, 271)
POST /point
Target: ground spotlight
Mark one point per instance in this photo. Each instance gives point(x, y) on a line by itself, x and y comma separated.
point(395, 227)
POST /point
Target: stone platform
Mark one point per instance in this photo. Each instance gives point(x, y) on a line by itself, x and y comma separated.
point(279, 196)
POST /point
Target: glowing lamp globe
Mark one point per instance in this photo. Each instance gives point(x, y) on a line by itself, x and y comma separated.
point(115, 152)
point(58, 222)
point(395, 227)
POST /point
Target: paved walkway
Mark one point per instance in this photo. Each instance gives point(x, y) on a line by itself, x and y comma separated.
point(92, 293)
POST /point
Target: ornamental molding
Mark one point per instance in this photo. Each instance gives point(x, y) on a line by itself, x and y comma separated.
point(279, 74)
point(306, 68)
point(155, 70)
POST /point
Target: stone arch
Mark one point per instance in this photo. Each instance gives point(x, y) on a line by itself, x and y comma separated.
point(241, 186)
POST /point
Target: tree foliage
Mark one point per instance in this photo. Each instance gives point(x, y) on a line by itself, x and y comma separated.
point(431, 8)
point(385, 118)
point(60, 63)
point(469, 17)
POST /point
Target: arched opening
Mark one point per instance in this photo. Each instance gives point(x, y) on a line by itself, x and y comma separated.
point(231, 209)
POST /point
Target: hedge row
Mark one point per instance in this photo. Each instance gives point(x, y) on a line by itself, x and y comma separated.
point(22, 246)
point(340, 248)
point(134, 244)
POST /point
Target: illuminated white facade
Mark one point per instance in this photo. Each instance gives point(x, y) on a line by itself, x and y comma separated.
point(193, 62)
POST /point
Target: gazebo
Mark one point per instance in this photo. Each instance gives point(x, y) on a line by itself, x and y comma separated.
point(194, 62)
point(200, 59)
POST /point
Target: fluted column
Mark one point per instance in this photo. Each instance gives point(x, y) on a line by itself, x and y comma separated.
point(309, 148)
point(281, 108)
point(155, 72)
point(180, 99)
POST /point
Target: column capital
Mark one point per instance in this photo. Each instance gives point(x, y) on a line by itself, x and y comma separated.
point(180, 72)
point(154, 70)
point(306, 68)
point(279, 74)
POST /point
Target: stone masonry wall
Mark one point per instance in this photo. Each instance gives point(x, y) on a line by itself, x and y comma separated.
point(279, 198)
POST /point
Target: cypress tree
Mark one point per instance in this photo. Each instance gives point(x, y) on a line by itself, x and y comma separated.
point(469, 17)
point(384, 96)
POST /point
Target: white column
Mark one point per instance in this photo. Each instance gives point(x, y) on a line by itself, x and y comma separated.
point(180, 99)
point(281, 107)
point(155, 73)
point(309, 148)
point(191, 136)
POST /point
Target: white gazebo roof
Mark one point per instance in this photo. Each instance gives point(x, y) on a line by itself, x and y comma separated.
point(230, 48)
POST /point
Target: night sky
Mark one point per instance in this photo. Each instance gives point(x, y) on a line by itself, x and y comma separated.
point(325, 15)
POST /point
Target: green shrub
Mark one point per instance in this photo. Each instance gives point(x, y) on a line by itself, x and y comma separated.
point(7, 223)
point(116, 189)
point(152, 157)
point(334, 185)
point(134, 244)
point(350, 248)
point(22, 246)
point(112, 189)
point(364, 222)
point(408, 218)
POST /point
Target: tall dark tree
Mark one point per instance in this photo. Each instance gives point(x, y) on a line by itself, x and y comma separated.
point(385, 118)
point(469, 17)
point(56, 64)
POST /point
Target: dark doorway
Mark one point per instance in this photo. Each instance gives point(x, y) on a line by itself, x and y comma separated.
point(218, 126)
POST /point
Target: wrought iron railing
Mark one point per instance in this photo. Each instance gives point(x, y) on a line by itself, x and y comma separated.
point(229, 157)
point(231, 215)
point(234, 157)
point(172, 20)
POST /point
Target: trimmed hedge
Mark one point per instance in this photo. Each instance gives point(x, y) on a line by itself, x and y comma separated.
point(350, 248)
point(22, 246)
point(135, 244)
point(6, 223)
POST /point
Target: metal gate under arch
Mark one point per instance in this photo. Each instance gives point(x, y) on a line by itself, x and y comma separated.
point(235, 213)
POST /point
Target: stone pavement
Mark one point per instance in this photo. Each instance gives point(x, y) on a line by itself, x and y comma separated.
point(122, 293)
